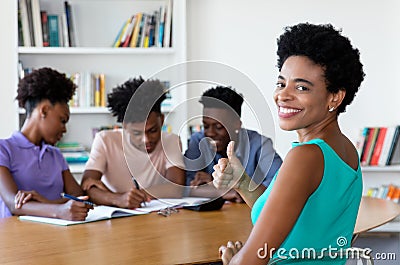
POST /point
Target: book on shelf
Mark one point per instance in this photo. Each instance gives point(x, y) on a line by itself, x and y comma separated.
point(389, 192)
point(73, 152)
point(168, 25)
point(54, 33)
point(90, 90)
point(103, 95)
point(140, 39)
point(379, 146)
point(20, 33)
point(126, 38)
point(160, 37)
point(70, 25)
point(361, 141)
point(382, 161)
point(24, 24)
point(37, 23)
point(367, 153)
point(30, 22)
point(45, 28)
point(376, 152)
point(70, 147)
point(65, 34)
point(117, 40)
point(76, 157)
point(394, 150)
point(136, 29)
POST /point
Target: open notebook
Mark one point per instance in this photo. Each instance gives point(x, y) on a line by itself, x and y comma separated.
point(107, 212)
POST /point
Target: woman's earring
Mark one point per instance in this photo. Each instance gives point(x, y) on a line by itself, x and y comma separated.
point(331, 109)
point(236, 131)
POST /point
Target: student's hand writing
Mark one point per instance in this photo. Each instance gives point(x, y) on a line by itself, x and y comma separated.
point(132, 199)
point(200, 178)
point(227, 252)
point(89, 183)
point(228, 172)
point(74, 210)
point(24, 196)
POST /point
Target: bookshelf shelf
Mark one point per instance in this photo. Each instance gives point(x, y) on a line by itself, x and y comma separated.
point(89, 110)
point(381, 169)
point(92, 50)
point(76, 110)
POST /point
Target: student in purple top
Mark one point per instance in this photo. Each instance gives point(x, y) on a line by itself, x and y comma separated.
point(33, 172)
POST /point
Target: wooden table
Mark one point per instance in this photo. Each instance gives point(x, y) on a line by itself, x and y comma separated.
point(375, 212)
point(180, 238)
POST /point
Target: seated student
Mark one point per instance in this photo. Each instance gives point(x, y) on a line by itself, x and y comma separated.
point(312, 202)
point(33, 173)
point(149, 155)
point(221, 121)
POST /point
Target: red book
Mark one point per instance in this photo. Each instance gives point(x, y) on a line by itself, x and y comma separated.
point(378, 147)
point(368, 145)
point(45, 29)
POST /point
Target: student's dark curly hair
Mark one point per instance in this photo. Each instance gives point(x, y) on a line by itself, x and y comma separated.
point(222, 97)
point(41, 84)
point(326, 47)
point(147, 99)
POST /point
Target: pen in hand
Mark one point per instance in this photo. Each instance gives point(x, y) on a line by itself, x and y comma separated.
point(67, 196)
point(137, 187)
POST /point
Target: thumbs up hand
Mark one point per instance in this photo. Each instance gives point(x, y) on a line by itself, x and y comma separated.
point(229, 171)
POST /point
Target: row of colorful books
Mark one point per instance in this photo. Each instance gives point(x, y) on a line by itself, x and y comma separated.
point(90, 91)
point(387, 192)
point(379, 146)
point(147, 30)
point(38, 28)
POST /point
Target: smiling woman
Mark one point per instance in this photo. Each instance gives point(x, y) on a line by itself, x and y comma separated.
point(33, 173)
point(314, 198)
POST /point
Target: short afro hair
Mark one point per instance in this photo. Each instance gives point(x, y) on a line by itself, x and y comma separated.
point(325, 46)
point(147, 99)
point(222, 97)
point(41, 84)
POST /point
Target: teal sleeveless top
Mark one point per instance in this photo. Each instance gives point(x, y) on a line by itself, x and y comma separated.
point(329, 215)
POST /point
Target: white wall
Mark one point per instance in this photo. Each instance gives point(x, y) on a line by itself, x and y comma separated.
point(8, 68)
point(243, 35)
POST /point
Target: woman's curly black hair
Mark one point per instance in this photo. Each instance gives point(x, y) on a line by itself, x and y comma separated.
point(146, 99)
point(326, 47)
point(223, 98)
point(41, 84)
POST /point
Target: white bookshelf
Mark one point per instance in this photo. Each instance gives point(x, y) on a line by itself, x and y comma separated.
point(93, 50)
point(97, 23)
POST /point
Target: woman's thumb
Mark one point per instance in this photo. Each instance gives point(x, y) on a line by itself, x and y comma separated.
point(230, 150)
